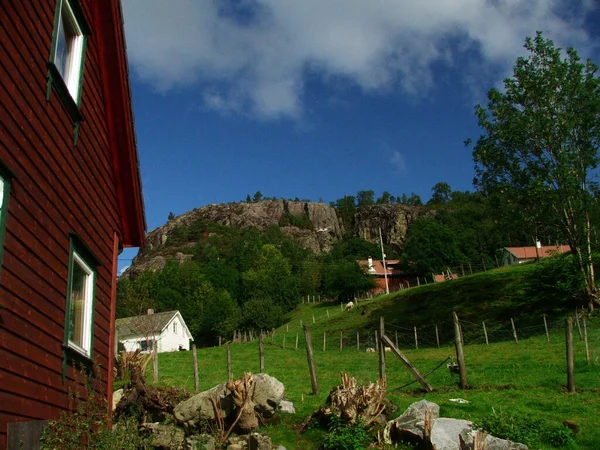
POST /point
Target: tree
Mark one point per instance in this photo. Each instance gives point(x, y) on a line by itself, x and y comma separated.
point(365, 198)
point(385, 199)
point(171, 216)
point(440, 193)
point(257, 196)
point(346, 210)
point(248, 199)
point(414, 200)
point(540, 142)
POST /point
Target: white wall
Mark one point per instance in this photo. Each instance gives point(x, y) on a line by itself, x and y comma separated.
point(169, 339)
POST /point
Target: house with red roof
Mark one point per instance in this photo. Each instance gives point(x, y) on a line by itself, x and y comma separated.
point(519, 255)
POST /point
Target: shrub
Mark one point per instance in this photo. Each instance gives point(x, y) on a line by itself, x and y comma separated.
point(556, 279)
point(345, 436)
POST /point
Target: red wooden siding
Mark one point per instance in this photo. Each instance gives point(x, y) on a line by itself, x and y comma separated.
point(58, 188)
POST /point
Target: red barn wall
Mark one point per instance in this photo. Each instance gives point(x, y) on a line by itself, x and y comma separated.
point(58, 188)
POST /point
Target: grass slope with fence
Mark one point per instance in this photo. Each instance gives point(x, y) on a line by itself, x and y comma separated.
point(516, 390)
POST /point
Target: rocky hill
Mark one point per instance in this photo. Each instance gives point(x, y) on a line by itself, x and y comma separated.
point(314, 225)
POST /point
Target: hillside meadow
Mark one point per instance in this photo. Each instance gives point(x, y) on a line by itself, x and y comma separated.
point(516, 390)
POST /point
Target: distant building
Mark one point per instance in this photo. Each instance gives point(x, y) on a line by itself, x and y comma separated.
point(519, 255)
point(165, 329)
point(396, 277)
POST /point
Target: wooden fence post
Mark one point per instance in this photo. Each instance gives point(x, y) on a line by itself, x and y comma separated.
point(324, 340)
point(229, 375)
point(570, 356)
point(376, 341)
point(328, 313)
point(283, 345)
point(396, 333)
point(358, 341)
point(416, 339)
point(514, 330)
point(296, 341)
point(470, 268)
point(219, 341)
point(437, 336)
point(287, 327)
point(313, 318)
point(487, 342)
point(261, 353)
point(413, 370)
point(546, 327)
point(311, 361)
point(273, 336)
point(341, 340)
point(460, 356)
point(578, 325)
point(381, 350)
point(585, 338)
point(196, 381)
point(155, 360)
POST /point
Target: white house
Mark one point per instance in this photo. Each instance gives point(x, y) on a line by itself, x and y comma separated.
point(166, 328)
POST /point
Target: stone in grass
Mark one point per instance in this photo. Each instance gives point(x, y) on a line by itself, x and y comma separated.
point(193, 411)
point(285, 406)
point(410, 425)
point(259, 442)
point(267, 394)
point(458, 434)
point(166, 437)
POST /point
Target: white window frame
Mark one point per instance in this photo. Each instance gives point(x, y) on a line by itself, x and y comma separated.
point(73, 64)
point(175, 327)
point(88, 306)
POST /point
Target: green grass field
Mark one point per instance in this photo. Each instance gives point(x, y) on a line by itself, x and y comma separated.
point(522, 384)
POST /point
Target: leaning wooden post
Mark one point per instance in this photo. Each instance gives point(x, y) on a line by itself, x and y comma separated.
point(514, 330)
point(487, 342)
point(196, 381)
point(341, 340)
point(296, 341)
point(381, 350)
point(358, 341)
point(229, 375)
point(311, 361)
point(578, 324)
point(324, 340)
point(460, 356)
point(416, 339)
point(570, 356)
point(585, 338)
point(261, 354)
point(437, 336)
point(155, 360)
point(546, 327)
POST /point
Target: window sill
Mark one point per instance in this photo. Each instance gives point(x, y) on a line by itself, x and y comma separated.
point(63, 92)
point(71, 354)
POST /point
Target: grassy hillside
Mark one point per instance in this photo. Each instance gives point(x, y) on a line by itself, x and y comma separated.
point(517, 389)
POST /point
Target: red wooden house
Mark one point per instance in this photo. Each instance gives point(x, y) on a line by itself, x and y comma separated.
point(70, 200)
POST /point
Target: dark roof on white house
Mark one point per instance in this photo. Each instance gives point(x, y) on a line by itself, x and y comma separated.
point(143, 325)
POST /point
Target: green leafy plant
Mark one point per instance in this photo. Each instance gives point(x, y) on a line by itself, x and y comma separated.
point(345, 436)
point(527, 430)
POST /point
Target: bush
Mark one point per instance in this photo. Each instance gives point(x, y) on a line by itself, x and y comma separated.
point(556, 279)
point(344, 436)
point(527, 430)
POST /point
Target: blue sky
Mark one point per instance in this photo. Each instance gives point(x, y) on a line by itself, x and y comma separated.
point(321, 98)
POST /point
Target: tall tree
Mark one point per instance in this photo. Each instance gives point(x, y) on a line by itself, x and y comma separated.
point(365, 198)
point(440, 193)
point(540, 142)
point(385, 199)
point(257, 196)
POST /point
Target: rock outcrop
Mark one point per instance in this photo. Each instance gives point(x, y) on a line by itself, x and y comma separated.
point(394, 221)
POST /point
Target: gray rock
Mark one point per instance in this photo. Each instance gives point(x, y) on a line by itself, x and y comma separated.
point(285, 406)
point(166, 437)
point(235, 447)
point(201, 442)
point(445, 433)
point(490, 442)
point(267, 394)
point(410, 425)
point(194, 410)
point(117, 398)
point(259, 442)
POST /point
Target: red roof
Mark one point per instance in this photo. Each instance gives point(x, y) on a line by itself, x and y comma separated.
point(531, 253)
point(378, 266)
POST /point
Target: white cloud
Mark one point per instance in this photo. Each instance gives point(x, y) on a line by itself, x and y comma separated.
point(398, 161)
point(256, 59)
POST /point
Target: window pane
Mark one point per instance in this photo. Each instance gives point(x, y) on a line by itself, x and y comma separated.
point(62, 47)
point(78, 307)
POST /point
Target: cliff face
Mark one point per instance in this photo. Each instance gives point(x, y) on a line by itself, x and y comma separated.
point(394, 221)
point(326, 230)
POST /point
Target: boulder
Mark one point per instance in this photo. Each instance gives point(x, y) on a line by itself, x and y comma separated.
point(267, 395)
point(259, 442)
point(194, 410)
point(445, 433)
point(201, 441)
point(488, 442)
point(285, 406)
point(166, 437)
point(410, 425)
